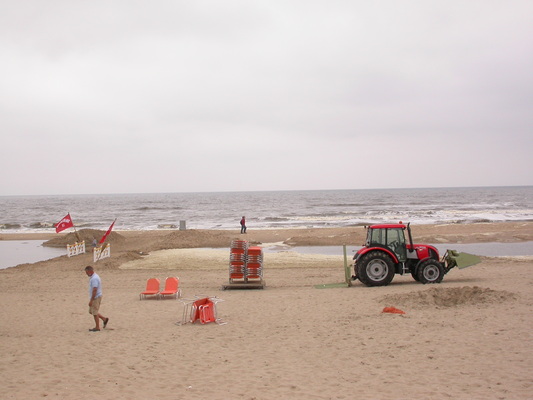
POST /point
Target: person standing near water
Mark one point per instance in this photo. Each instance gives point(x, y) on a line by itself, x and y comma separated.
point(95, 298)
point(243, 224)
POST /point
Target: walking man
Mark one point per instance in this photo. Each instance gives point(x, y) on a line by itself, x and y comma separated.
point(95, 298)
point(243, 225)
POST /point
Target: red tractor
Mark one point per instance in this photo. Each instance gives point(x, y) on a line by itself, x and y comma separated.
point(386, 253)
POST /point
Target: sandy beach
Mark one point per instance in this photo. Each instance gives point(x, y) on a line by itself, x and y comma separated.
point(466, 338)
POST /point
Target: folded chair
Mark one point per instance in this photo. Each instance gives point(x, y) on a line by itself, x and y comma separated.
point(172, 288)
point(207, 312)
point(201, 309)
point(152, 289)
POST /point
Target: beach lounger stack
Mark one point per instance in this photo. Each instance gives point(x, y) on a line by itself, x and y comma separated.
point(245, 266)
point(237, 260)
point(254, 263)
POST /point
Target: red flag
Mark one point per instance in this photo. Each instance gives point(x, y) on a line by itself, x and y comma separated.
point(65, 223)
point(107, 233)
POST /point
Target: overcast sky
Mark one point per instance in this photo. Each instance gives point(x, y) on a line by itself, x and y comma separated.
point(185, 96)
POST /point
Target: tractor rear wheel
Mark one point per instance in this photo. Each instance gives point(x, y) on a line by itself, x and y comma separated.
point(375, 269)
point(430, 271)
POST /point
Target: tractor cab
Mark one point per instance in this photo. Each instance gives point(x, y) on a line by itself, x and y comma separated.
point(389, 236)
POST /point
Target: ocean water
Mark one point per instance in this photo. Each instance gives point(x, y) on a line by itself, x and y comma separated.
point(272, 209)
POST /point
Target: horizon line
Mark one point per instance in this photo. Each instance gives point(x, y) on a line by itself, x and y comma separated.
point(259, 191)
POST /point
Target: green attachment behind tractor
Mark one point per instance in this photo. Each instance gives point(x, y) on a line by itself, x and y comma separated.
point(460, 260)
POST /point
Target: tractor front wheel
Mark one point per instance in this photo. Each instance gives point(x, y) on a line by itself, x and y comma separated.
point(430, 271)
point(375, 269)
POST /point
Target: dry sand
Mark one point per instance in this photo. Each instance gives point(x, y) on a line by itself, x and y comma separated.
point(466, 338)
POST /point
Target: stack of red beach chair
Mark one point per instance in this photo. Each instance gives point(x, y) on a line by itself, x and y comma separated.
point(254, 263)
point(245, 263)
point(237, 260)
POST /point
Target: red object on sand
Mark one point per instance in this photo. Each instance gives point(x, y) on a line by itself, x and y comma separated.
point(203, 310)
point(393, 310)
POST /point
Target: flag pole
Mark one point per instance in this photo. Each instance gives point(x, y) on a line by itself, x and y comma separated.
point(75, 231)
point(104, 239)
point(99, 252)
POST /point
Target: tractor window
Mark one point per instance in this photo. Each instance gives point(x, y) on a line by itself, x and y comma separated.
point(396, 242)
point(375, 236)
point(395, 236)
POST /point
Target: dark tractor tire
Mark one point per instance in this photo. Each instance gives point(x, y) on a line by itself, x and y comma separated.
point(415, 276)
point(375, 269)
point(430, 271)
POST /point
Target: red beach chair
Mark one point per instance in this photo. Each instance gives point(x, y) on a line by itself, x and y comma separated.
point(152, 289)
point(198, 309)
point(172, 288)
point(207, 312)
point(202, 309)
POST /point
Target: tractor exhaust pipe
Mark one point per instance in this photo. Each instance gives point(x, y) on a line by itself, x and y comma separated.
point(410, 236)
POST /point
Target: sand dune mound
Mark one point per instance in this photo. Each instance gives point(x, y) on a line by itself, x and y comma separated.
point(195, 238)
point(450, 297)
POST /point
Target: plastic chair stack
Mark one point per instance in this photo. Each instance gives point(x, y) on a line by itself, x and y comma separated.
point(237, 260)
point(254, 263)
point(245, 266)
